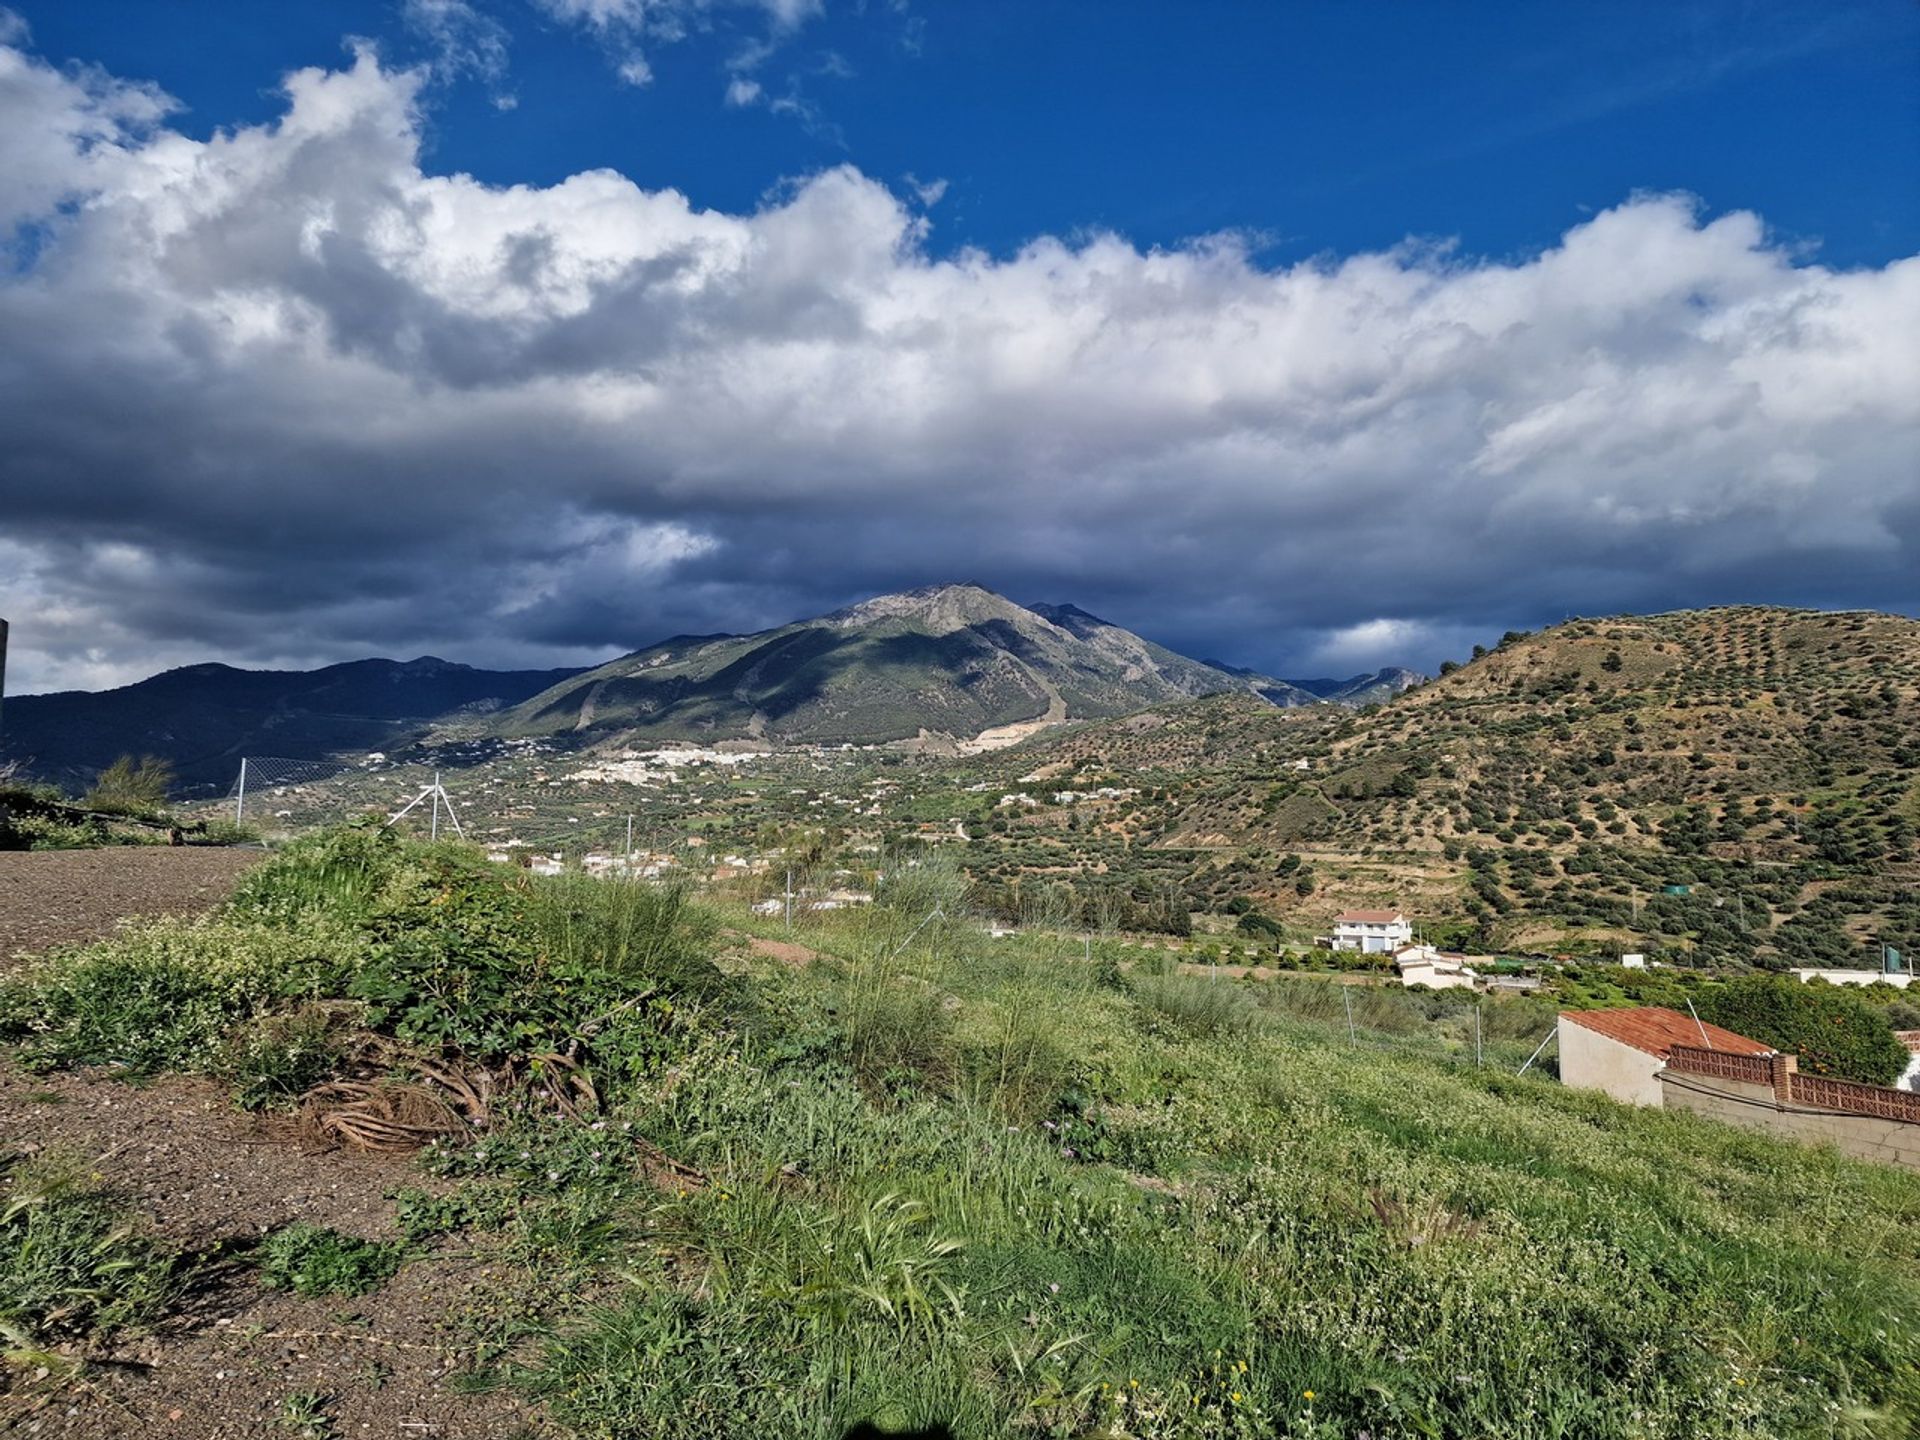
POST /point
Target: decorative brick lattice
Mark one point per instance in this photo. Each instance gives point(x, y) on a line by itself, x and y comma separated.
point(1857, 1099)
point(1754, 1069)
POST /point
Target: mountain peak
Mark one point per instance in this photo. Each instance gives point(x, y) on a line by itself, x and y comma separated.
point(940, 608)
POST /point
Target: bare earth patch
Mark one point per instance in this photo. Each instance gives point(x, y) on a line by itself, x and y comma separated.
point(784, 951)
point(197, 1171)
point(69, 897)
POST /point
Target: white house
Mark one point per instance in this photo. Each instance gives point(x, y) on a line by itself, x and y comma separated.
point(1424, 965)
point(1373, 932)
point(1621, 1052)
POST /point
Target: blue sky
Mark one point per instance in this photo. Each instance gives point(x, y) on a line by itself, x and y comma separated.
point(1316, 126)
point(1310, 337)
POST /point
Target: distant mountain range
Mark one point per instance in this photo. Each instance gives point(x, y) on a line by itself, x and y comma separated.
point(947, 665)
point(205, 717)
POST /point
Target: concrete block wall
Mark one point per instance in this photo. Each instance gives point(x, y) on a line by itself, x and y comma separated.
point(1757, 1107)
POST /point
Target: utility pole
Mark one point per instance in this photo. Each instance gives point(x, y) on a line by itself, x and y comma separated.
point(1479, 1054)
point(436, 806)
point(629, 839)
point(1353, 1036)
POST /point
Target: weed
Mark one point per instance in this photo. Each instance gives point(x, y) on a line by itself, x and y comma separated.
point(158, 998)
point(311, 1261)
point(305, 1414)
point(73, 1264)
point(276, 1058)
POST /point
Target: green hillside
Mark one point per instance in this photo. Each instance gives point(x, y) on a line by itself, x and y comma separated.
point(1550, 792)
point(906, 1177)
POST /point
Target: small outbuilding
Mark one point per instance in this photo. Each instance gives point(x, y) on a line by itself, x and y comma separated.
point(1620, 1052)
point(1436, 969)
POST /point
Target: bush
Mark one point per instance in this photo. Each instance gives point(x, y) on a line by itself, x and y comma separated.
point(1200, 1007)
point(1832, 1032)
point(310, 1261)
point(132, 787)
point(164, 997)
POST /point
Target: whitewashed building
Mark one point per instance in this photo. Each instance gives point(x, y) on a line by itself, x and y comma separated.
point(1372, 932)
point(1436, 969)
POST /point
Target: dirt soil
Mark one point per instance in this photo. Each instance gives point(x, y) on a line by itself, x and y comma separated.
point(225, 1365)
point(64, 897)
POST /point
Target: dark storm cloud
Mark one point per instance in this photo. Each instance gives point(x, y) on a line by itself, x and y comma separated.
point(283, 396)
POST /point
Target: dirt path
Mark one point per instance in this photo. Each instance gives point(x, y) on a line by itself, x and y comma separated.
point(197, 1171)
point(62, 897)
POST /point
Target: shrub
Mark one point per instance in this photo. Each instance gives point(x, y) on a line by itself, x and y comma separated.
point(163, 997)
point(132, 787)
point(310, 1261)
point(1832, 1032)
point(1200, 1007)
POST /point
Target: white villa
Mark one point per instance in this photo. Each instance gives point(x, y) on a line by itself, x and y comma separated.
point(1372, 932)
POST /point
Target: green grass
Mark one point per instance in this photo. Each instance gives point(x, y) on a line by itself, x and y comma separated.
point(937, 1180)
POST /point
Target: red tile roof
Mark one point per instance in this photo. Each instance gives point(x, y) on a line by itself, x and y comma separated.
point(1656, 1030)
point(1369, 917)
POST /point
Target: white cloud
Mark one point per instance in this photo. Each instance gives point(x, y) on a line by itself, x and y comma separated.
point(742, 91)
point(282, 391)
point(631, 28)
point(464, 40)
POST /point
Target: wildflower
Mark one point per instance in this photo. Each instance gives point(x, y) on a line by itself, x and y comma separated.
point(1053, 1289)
point(1309, 1395)
point(1236, 1397)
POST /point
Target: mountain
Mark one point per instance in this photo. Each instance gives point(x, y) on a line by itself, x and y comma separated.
point(946, 663)
point(205, 717)
point(1376, 687)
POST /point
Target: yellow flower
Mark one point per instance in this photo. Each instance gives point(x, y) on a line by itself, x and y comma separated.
point(1309, 1395)
point(1236, 1397)
point(1134, 1383)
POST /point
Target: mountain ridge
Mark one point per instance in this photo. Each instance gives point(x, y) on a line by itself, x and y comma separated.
point(950, 664)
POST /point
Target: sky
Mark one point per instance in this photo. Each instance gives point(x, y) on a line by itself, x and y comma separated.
point(1309, 337)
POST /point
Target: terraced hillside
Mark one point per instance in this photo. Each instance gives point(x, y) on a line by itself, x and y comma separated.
point(1557, 789)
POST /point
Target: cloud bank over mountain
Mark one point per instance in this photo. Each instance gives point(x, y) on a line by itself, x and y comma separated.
point(286, 394)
